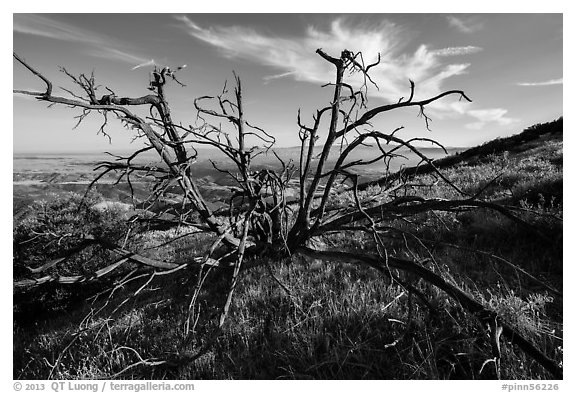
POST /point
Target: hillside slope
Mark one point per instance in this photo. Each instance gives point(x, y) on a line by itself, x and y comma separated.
point(296, 318)
point(530, 138)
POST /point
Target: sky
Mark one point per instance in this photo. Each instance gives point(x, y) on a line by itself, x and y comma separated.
point(510, 65)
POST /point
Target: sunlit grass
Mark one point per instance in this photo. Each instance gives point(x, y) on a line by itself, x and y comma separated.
point(334, 321)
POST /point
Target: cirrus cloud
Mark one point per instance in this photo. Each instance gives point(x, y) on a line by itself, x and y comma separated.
point(98, 45)
point(550, 82)
point(457, 51)
point(294, 56)
point(486, 116)
point(465, 24)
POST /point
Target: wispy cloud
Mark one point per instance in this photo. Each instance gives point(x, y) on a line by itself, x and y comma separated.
point(98, 45)
point(457, 51)
point(149, 63)
point(486, 116)
point(294, 56)
point(269, 78)
point(465, 24)
point(547, 83)
point(46, 27)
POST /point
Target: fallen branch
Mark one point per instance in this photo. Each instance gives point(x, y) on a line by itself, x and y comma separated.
point(125, 256)
point(471, 305)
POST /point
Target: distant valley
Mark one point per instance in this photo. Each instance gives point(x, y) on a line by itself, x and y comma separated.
point(41, 175)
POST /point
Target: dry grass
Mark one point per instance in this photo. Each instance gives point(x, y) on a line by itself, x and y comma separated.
point(336, 321)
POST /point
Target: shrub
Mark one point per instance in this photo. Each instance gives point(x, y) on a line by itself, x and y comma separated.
point(61, 223)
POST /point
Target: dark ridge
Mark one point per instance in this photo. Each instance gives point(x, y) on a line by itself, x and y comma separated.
point(515, 143)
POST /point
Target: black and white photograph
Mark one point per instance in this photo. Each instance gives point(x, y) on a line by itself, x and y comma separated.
point(287, 196)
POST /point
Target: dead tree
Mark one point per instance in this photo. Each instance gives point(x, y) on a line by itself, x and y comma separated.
point(259, 219)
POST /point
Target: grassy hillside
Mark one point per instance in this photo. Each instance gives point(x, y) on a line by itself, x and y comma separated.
point(296, 318)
